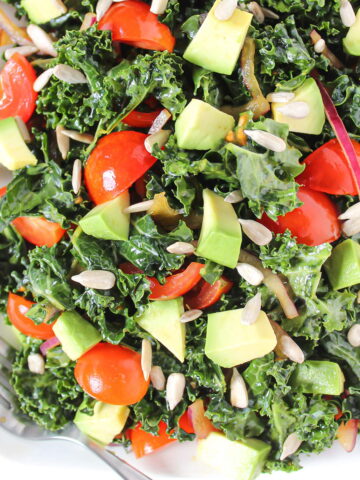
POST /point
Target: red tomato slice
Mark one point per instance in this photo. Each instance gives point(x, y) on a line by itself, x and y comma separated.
point(117, 161)
point(327, 170)
point(2, 191)
point(204, 294)
point(144, 443)
point(185, 422)
point(176, 285)
point(112, 374)
point(141, 119)
point(314, 223)
point(347, 434)
point(132, 22)
point(39, 231)
point(17, 308)
point(17, 96)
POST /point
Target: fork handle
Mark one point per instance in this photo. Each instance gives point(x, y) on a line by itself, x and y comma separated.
point(126, 471)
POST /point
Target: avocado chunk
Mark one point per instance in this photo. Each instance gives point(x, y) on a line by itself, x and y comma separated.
point(352, 39)
point(76, 335)
point(218, 43)
point(106, 422)
point(14, 153)
point(108, 220)
point(230, 343)
point(162, 320)
point(220, 236)
point(236, 460)
point(343, 267)
point(40, 11)
point(201, 126)
point(314, 122)
point(318, 377)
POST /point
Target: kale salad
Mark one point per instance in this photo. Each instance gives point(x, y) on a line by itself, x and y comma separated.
point(179, 242)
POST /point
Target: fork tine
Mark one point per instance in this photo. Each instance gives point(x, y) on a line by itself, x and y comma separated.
point(4, 402)
point(4, 362)
point(4, 382)
point(4, 347)
point(5, 394)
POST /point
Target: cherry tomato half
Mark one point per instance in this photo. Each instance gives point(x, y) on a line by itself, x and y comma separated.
point(17, 307)
point(112, 374)
point(327, 170)
point(39, 231)
point(314, 223)
point(204, 294)
point(144, 443)
point(176, 285)
point(17, 96)
point(132, 22)
point(138, 119)
point(117, 161)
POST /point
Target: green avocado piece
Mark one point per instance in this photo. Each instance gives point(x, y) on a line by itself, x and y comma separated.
point(14, 153)
point(236, 460)
point(218, 43)
point(314, 122)
point(230, 343)
point(343, 267)
point(201, 126)
point(318, 377)
point(352, 39)
point(108, 220)
point(76, 335)
point(162, 320)
point(220, 236)
point(42, 11)
point(106, 422)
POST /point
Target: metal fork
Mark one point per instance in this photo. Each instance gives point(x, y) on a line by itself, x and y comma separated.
point(11, 421)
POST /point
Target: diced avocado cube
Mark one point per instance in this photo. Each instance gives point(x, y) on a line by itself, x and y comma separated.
point(108, 220)
point(201, 126)
point(236, 460)
point(230, 343)
point(343, 267)
point(76, 334)
point(14, 153)
point(42, 11)
point(220, 236)
point(162, 320)
point(218, 43)
point(352, 39)
point(106, 422)
point(313, 123)
point(318, 377)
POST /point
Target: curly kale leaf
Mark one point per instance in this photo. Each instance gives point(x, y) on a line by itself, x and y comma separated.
point(337, 346)
point(346, 96)
point(12, 251)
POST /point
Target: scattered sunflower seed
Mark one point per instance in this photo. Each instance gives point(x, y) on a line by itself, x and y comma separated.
point(63, 142)
point(251, 310)
point(351, 227)
point(238, 391)
point(347, 13)
point(89, 20)
point(79, 137)
point(190, 315)
point(36, 363)
point(157, 378)
point(234, 197)
point(175, 387)
point(158, 6)
point(270, 14)
point(146, 358)
point(257, 11)
point(280, 97)
point(320, 46)
point(41, 40)
point(25, 50)
point(249, 273)
point(257, 232)
point(102, 7)
point(291, 349)
point(267, 140)
point(99, 279)
point(351, 212)
point(23, 129)
point(159, 138)
point(225, 9)
point(139, 207)
point(181, 248)
point(290, 446)
point(295, 110)
point(76, 176)
point(68, 74)
point(43, 79)
point(353, 335)
point(160, 121)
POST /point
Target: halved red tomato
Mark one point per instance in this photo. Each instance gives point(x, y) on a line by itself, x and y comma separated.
point(39, 231)
point(144, 443)
point(138, 119)
point(204, 294)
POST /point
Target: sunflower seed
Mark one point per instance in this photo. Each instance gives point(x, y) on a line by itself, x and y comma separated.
point(225, 9)
point(158, 6)
point(175, 387)
point(353, 335)
point(102, 7)
point(267, 140)
point(159, 138)
point(41, 40)
point(89, 20)
point(25, 50)
point(36, 363)
point(295, 110)
point(146, 358)
point(139, 207)
point(76, 176)
point(290, 446)
point(238, 391)
point(351, 227)
point(68, 74)
point(257, 232)
point(270, 14)
point(79, 137)
point(181, 248)
point(351, 213)
point(43, 79)
point(23, 129)
point(251, 310)
point(257, 11)
point(347, 13)
point(157, 378)
point(99, 279)
point(280, 97)
point(320, 46)
point(63, 142)
point(160, 121)
point(291, 349)
point(249, 273)
point(190, 315)
point(234, 197)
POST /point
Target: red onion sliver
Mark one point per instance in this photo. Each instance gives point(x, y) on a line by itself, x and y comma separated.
point(48, 344)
